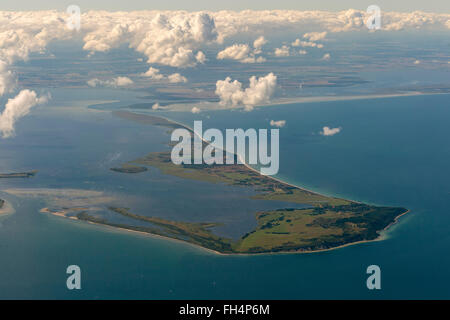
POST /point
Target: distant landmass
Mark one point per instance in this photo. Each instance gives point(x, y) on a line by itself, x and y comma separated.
point(129, 169)
point(28, 174)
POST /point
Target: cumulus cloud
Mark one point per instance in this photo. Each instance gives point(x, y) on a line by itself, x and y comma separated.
point(278, 123)
point(16, 108)
point(176, 38)
point(154, 74)
point(167, 38)
point(327, 131)
point(200, 57)
point(259, 91)
point(195, 110)
point(8, 80)
point(113, 83)
point(258, 44)
point(22, 33)
point(176, 78)
point(282, 52)
point(235, 52)
point(243, 52)
point(315, 36)
point(326, 57)
point(300, 43)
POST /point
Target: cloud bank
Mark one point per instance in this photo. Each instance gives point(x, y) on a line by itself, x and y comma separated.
point(176, 38)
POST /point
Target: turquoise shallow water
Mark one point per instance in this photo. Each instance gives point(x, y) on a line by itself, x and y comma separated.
point(392, 151)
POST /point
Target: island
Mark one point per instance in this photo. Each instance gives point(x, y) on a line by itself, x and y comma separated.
point(18, 174)
point(326, 223)
point(129, 169)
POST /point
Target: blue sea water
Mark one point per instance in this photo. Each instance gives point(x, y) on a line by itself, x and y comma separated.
point(390, 151)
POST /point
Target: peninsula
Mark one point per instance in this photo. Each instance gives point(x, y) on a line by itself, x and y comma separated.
point(326, 222)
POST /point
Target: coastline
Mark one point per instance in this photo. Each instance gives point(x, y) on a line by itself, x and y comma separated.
point(157, 236)
point(214, 106)
point(243, 162)
point(379, 238)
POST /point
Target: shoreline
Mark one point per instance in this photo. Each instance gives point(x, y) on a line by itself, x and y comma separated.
point(214, 106)
point(244, 163)
point(157, 236)
point(379, 238)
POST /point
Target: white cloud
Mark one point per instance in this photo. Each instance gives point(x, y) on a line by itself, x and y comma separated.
point(315, 36)
point(94, 82)
point(282, 52)
point(229, 23)
point(156, 106)
point(200, 57)
point(195, 110)
point(417, 62)
point(258, 44)
point(326, 57)
point(8, 80)
point(300, 43)
point(122, 82)
point(327, 131)
point(167, 38)
point(259, 91)
point(22, 33)
point(278, 123)
point(243, 52)
point(310, 37)
point(176, 78)
point(154, 74)
point(113, 83)
point(16, 108)
point(235, 52)
point(175, 38)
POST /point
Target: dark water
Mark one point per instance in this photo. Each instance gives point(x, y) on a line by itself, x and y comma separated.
point(390, 151)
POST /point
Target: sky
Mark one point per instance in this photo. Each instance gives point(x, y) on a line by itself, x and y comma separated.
point(438, 6)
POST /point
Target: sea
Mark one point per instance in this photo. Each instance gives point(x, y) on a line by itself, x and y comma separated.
point(391, 151)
